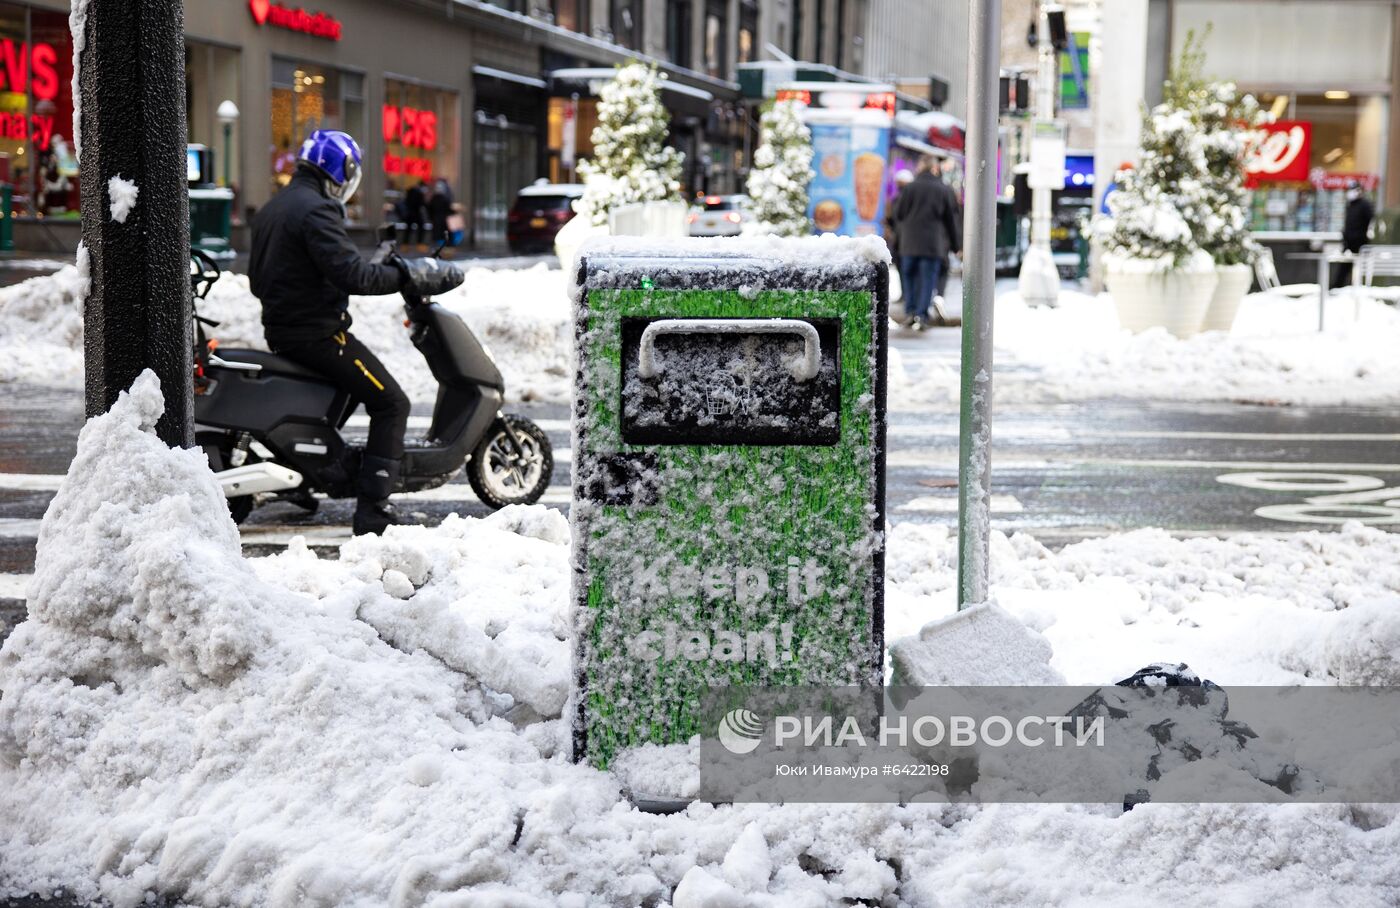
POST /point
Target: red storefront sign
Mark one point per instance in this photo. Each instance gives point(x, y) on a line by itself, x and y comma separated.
point(1278, 152)
point(318, 25)
point(24, 69)
point(411, 128)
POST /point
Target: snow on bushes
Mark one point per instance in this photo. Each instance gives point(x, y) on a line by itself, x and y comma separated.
point(782, 169)
point(178, 723)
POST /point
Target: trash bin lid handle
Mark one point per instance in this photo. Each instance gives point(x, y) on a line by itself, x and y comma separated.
point(804, 369)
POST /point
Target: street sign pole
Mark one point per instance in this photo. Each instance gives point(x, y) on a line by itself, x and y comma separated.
point(132, 127)
point(979, 289)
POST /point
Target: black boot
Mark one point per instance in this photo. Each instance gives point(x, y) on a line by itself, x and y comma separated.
point(373, 513)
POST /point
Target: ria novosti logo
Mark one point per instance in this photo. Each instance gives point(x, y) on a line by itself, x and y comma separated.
point(740, 731)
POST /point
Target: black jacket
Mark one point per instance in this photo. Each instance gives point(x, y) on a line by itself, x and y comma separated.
point(303, 266)
point(1357, 226)
point(926, 218)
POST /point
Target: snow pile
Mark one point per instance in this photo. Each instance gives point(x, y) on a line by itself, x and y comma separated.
point(178, 723)
point(1308, 608)
point(41, 329)
point(522, 317)
point(1274, 354)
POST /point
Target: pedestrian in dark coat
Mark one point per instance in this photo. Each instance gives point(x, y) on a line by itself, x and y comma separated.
point(1356, 229)
point(929, 226)
point(440, 209)
point(415, 211)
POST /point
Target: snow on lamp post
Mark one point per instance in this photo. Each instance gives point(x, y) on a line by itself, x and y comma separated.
point(228, 115)
point(130, 135)
point(979, 289)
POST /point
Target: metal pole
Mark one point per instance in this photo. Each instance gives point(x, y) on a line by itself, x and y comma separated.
point(228, 153)
point(1044, 112)
point(979, 290)
point(137, 313)
point(1039, 280)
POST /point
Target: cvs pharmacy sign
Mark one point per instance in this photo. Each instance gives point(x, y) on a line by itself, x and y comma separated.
point(1278, 152)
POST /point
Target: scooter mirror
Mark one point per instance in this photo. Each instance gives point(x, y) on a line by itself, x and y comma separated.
point(388, 233)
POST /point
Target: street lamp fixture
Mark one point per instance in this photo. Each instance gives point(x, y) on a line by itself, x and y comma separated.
point(228, 115)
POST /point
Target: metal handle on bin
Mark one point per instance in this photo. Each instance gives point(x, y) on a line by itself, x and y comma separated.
point(804, 369)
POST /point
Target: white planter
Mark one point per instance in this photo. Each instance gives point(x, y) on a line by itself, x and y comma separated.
point(1175, 300)
point(1229, 291)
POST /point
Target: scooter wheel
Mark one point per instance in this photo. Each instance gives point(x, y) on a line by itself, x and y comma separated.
point(500, 474)
point(217, 446)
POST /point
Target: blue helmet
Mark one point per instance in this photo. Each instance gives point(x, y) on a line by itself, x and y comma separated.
point(336, 157)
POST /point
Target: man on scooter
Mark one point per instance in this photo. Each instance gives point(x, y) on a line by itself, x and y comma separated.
point(303, 268)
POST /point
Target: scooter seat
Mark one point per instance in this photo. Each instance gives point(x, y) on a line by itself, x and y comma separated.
point(270, 362)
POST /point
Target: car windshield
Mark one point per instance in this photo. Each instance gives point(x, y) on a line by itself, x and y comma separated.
point(543, 202)
point(721, 203)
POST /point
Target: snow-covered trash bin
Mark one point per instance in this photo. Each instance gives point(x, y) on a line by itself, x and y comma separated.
point(728, 477)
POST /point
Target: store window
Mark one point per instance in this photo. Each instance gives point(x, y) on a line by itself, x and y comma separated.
point(626, 18)
point(715, 40)
point(306, 97)
point(1303, 163)
point(584, 120)
point(36, 110)
point(678, 16)
point(211, 78)
point(748, 31)
point(420, 128)
point(571, 14)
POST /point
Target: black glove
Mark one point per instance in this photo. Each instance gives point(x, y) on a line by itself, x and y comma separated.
point(429, 277)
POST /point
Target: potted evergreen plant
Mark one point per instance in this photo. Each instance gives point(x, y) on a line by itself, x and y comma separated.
point(1223, 116)
point(1154, 268)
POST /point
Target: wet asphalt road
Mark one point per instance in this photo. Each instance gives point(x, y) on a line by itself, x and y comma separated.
point(1061, 472)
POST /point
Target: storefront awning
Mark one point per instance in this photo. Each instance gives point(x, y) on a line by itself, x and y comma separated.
point(587, 76)
point(504, 76)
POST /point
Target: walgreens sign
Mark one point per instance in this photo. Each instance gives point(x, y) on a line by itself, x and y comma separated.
point(1278, 152)
point(318, 25)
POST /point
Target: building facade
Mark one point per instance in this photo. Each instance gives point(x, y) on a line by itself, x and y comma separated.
point(486, 96)
point(910, 41)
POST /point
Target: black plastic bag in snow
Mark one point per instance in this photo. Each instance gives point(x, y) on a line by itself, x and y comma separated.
point(1165, 738)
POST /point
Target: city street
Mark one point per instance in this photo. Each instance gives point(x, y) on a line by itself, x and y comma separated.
point(1062, 472)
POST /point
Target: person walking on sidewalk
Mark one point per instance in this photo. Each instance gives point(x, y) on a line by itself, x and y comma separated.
point(303, 269)
point(928, 225)
point(439, 210)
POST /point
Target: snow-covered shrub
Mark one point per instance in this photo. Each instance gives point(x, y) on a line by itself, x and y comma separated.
point(782, 168)
point(1157, 205)
point(1224, 116)
point(631, 161)
point(1187, 195)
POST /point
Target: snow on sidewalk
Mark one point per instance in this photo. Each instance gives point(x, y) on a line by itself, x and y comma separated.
point(177, 720)
point(1274, 354)
point(521, 316)
point(1074, 352)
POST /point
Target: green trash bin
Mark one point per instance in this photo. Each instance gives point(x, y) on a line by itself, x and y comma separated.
point(211, 221)
point(728, 506)
point(7, 216)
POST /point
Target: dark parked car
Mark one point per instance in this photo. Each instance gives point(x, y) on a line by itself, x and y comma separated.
point(538, 213)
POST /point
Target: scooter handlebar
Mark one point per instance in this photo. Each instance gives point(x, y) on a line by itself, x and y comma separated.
point(428, 277)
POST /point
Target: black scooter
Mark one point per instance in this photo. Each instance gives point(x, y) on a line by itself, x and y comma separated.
point(272, 428)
